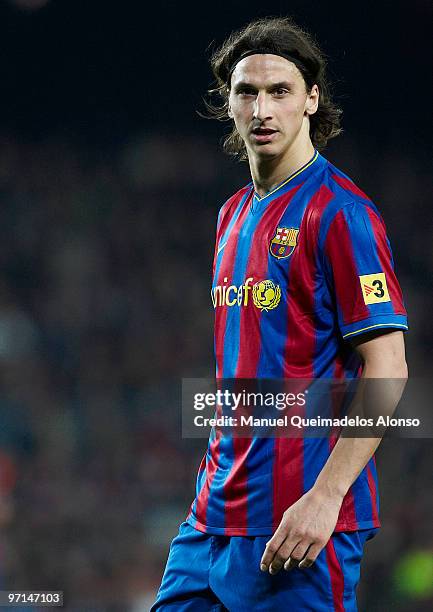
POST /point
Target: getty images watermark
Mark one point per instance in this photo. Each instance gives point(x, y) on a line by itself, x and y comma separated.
point(306, 408)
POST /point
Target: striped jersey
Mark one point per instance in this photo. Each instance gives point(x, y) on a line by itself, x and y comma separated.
point(297, 273)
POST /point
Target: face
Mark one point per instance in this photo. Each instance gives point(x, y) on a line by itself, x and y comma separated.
point(269, 104)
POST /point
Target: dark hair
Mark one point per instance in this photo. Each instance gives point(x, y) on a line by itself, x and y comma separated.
point(282, 36)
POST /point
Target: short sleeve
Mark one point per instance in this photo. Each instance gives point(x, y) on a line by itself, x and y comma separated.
point(360, 270)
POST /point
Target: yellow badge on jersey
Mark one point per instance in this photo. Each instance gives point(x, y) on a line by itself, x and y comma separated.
point(266, 295)
point(374, 289)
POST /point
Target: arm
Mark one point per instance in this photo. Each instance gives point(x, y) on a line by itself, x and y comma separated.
point(309, 523)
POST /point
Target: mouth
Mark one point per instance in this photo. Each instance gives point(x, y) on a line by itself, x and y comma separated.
point(261, 134)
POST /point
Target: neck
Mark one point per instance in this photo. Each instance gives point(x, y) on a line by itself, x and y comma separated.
point(269, 173)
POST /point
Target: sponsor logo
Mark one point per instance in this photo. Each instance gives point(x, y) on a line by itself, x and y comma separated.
point(284, 241)
point(265, 294)
point(374, 289)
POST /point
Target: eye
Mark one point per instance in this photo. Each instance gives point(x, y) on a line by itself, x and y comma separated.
point(246, 91)
point(280, 91)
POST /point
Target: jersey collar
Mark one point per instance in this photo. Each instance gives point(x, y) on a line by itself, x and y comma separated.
point(302, 173)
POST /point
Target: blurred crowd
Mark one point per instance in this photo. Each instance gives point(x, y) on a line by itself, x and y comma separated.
point(105, 259)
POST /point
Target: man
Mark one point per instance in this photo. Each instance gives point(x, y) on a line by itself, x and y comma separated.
point(304, 288)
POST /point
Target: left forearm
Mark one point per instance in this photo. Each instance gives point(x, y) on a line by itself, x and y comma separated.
point(346, 462)
point(351, 454)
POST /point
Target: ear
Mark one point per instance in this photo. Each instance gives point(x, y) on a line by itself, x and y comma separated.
point(312, 101)
point(229, 108)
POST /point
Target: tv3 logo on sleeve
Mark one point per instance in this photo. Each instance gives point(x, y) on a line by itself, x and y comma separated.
point(374, 289)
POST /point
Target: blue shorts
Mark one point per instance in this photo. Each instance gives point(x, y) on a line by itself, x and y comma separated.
point(215, 573)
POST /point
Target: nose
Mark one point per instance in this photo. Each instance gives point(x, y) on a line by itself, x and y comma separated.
point(261, 107)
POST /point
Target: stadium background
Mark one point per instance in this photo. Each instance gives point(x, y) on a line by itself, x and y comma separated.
point(110, 184)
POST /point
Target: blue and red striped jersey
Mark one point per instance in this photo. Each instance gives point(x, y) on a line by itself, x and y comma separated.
point(296, 274)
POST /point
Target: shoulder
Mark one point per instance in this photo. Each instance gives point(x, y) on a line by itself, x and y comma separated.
point(229, 207)
point(341, 197)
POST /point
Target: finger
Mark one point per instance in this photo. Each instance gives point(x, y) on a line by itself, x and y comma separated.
point(297, 555)
point(271, 557)
point(290, 564)
point(271, 548)
point(282, 554)
point(311, 556)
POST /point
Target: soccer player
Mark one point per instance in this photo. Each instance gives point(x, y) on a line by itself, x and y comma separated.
point(303, 288)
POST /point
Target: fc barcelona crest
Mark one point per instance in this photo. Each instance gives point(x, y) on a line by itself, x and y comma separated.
point(284, 241)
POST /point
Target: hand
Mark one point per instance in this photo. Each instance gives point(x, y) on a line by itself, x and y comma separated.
point(304, 530)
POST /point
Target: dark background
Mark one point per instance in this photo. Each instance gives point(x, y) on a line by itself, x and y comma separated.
point(110, 184)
